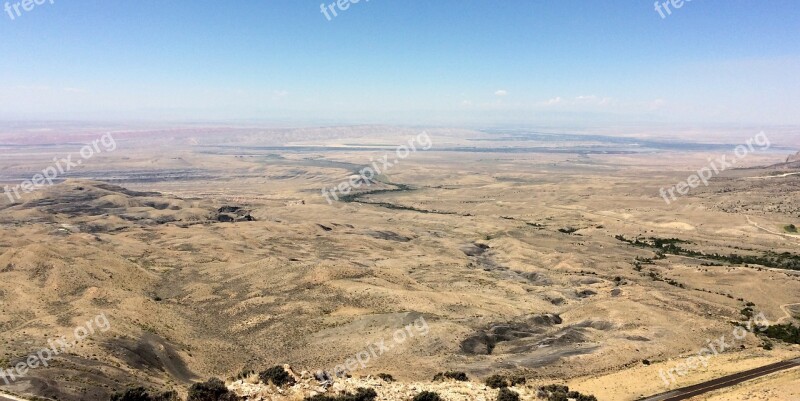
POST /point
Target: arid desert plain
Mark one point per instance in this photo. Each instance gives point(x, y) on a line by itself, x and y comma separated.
point(555, 255)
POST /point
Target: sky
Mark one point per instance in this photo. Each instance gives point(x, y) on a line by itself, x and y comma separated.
point(410, 62)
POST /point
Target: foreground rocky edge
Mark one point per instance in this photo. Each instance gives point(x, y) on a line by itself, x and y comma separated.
point(281, 383)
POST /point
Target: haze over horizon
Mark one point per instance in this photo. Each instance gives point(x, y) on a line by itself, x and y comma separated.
point(443, 62)
point(374, 200)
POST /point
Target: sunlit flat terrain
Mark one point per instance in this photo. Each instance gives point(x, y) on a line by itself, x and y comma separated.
point(214, 251)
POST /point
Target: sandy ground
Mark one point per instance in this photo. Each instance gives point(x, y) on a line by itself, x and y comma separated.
point(482, 245)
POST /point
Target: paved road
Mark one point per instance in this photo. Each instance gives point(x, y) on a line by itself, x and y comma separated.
point(723, 382)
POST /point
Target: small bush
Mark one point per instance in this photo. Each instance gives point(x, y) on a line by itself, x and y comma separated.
point(557, 392)
point(427, 396)
point(457, 376)
point(785, 332)
point(167, 396)
point(362, 394)
point(132, 394)
point(141, 394)
point(500, 381)
point(277, 375)
point(555, 388)
point(212, 390)
point(386, 377)
point(496, 381)
point(244, 374)
point(507, 395)
point(517, 380)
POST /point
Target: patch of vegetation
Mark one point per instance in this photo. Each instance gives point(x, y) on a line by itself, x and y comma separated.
point(791, 228)
point(748, 312)
point(785, 260)
point(557, 392)
point(657, 277)
point(457, 376)
point(244, 374)
point(393, 206)
point(500, 381)
point(785, 332)
point(356, 197)
point(507, 395)
point(212, 390)
point(362, 394)
point(427, 396)
point(496, 381)
point(386, 377)
point(141, 394)
point(276, 375)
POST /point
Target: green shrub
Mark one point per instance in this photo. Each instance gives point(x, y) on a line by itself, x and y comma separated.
point(457, 376)
point(500, 381)
point(507, 395)
point(496, 381)
point(362, 394)
point(555, 388)
point(557, 392)
point(427, 396)
point(517, 380)
point(212, 390)
point(244, 374)
point(785, 332)
point(277, 375)
point(386, 377)
point(141, 394)
point(167, 396)
point(132, 394)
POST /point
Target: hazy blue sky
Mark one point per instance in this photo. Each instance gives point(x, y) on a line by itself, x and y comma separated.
point(477, 61)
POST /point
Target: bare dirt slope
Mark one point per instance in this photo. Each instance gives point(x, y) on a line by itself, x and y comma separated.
point(210, 258)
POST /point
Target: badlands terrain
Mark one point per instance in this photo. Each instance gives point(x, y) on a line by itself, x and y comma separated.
point(212, 250)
